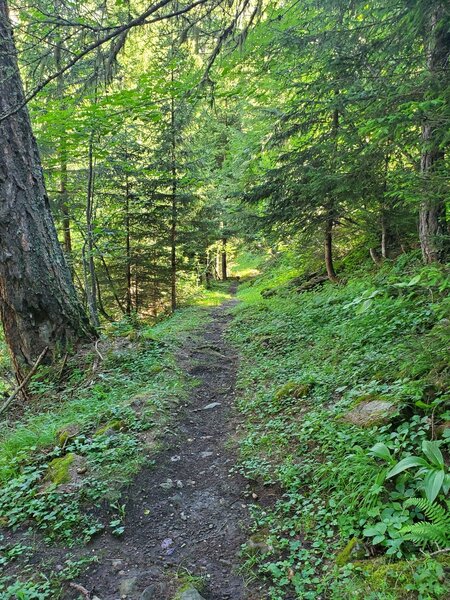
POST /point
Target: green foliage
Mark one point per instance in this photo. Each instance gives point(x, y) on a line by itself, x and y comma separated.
point(332, 489)
point(437, 530)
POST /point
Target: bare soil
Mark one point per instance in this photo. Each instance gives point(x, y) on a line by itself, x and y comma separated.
point(187, 514)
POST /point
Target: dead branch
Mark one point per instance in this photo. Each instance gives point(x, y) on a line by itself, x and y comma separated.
point(25, 381)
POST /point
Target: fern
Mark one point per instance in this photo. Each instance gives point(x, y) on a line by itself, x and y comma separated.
point(435, 530)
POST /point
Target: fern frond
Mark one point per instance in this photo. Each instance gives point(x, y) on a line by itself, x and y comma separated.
point(434, 512)
point(422, 533)
point(436, 530)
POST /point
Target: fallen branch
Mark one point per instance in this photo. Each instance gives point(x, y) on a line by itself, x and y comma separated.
point(25, 381)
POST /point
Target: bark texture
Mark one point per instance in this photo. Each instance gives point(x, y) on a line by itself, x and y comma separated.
point(38, 303)
point(432, 210)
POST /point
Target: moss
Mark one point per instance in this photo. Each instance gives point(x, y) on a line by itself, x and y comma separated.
point(58, 469)
point(400, 577)
point(67, 433)
point(352, 550)
point(292, 389)
point(115, 425)
point(368, 398)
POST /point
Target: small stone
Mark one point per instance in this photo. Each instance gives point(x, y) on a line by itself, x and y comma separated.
point(179, 484)
point(117, 564)
point(175, 458)
point(127, 586)
point(152, 592)
point(191, 594)
point(167, 485)
point(212, 405)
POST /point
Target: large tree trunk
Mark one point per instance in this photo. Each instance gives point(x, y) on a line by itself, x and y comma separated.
point(432, 210)
point(38, 303)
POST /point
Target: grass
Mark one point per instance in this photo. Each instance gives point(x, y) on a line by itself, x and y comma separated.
point(381, 335)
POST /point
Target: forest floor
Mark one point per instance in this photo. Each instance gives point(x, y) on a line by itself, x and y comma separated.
point(186, 516)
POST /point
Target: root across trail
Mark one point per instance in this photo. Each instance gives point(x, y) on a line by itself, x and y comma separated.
point(186, 515)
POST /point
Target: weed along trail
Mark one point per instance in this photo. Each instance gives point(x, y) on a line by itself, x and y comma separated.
point(185, 515)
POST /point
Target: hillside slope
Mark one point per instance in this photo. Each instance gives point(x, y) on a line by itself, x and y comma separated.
point(338, 384)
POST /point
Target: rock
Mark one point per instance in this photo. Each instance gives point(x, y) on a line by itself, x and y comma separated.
point(65, 472)
point(110, 428)
point(442, 428)
point(153, 592)
point(127, 586)
point(191, 594)
point(117, 564)
point(371, 412)
point(206, 454)
point(352, 551)
point(167, 485)
point(212, 405)
point(292, 389)
point(67, 433)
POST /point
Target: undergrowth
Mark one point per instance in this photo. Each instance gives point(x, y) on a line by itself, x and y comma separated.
point(344, 525)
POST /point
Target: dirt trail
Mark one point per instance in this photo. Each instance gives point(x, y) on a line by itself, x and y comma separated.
point(188, 513)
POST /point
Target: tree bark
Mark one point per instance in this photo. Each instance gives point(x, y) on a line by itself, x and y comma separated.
point(128, 244)
point(62, 155)
point(38, 303)
point(432, 209)
point(328, 247)
point(224, 259)
point(91, 282)
point(173, 225)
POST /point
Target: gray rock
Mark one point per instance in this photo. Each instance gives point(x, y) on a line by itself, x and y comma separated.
point(191, 594)
point(371, 412)
point(206, 454)
point(212, 405)
point(153, 592)
point(127, 586)
point(167, 485)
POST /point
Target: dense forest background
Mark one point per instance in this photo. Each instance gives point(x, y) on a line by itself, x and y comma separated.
point(321, 125)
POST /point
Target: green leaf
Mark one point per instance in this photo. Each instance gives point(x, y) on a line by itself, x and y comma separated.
point(406, 463)
point(414, 281)
point(380, 450)
point(432, 452)
point(433, 484)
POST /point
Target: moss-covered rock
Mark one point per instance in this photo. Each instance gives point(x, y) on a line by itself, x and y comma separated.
point(353, 550)
point(292, 389)
point(67, 433)
point(110, 427)
point(59, 469)
point(369, 411)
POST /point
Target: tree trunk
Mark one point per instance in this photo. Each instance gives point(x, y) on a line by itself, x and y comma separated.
point(173, 225)
point(432, 209)
point(329, 250)
point(128, 245)
point(224, 259)
point(91, 287)
point(62, 155)
point(38, 303)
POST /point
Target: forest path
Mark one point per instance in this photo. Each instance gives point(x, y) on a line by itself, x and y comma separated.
point(188, 513)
